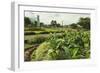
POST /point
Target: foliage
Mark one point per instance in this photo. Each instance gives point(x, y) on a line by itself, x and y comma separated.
point(33, 29)
point(58, 42)
point(72, 45)
point(29, 33)
point(35, 40)
point(84, 22)
point(74, 26)
point(54, 23)
point(42, 32)
point(27, 21)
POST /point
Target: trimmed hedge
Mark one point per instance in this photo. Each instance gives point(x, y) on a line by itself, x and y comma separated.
point(29, 33)
point(40, 32)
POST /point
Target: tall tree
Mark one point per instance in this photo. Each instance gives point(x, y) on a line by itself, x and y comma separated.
point(84, 22)
point(27, 21)
point(54, 23)
point(73, 25)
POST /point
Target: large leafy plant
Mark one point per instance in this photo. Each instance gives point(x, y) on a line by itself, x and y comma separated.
point(72, 45)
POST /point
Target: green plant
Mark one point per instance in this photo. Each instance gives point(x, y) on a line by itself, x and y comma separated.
point(72, 44)
point(36, 39)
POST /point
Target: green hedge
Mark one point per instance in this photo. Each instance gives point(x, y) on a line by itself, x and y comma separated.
point(40, 32)
point(36, 40)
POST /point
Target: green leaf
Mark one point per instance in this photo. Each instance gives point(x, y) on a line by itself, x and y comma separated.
point(75, 51)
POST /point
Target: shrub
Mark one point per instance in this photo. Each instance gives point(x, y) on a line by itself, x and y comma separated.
point(44, 32)
point(37, 39)
point(34, 29)
point(42, 50)
point(29, 33)
point(25, 41)
point(72, 45)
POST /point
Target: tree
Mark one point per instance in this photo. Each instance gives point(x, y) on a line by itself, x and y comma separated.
point(73, 25)
point(84, 22)
point(27, 21)
point(41, 24)
point(54, 23)
point(58, 24)
point(35, 24)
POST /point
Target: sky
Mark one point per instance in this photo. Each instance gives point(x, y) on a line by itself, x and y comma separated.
point(62, 18)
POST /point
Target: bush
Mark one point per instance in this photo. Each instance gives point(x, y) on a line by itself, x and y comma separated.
point(29, 33)
point(37, 39)
point(42, 51)
point(44, 32)
point(34, 29)
point(73, 45)
point(25, 41)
